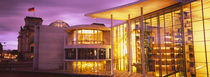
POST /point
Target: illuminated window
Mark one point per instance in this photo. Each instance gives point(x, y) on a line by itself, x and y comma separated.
point(89, 37)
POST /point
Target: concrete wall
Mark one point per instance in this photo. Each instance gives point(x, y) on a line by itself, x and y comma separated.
point(49, 48)
point(107, 37)
point(70, 38)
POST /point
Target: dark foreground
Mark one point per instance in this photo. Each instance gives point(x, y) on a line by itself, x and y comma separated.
point(40, 74)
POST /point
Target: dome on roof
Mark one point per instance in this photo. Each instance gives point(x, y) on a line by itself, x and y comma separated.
point(59, 23)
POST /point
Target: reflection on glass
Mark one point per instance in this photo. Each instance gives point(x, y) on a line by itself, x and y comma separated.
point(88, 37)
point(181, 50)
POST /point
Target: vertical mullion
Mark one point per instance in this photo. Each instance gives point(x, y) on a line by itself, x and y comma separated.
point(136, 29)
point(77, 50)
point(151, 39)
point(204, 34)
point(151, 29)
point(165, 40)
point(159, 46)
point(97, 36)
point(172, 23)
point(192, 35)
point(120, 46)
point(97, 52)
point(112, 69)
point(123, 46)
point(183, 39)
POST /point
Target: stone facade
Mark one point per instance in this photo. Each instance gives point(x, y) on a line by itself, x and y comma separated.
point(49, 48)
point(26, 37)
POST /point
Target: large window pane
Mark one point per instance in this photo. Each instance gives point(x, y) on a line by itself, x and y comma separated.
point(199, 47)
point(198, 36)
point(201, 70)
point(89, 37)
point(102, 53)
point(196, 10)
point(197, 26)
point(206, 8)
point(207, 29)
point(70, 53)
point(87, 53)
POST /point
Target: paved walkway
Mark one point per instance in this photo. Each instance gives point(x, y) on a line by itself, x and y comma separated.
point(21, 67)
point(41, 74)
point(126, 74)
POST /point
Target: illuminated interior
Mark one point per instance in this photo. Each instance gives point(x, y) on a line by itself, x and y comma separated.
point(120, 48)
point(89, 60)
point(88, 66)
point(89, 36)
point(176, 37)
point(174, 41)
point(89, 50)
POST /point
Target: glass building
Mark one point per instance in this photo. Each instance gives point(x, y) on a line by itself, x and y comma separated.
point(87, 49)
point(160, 37)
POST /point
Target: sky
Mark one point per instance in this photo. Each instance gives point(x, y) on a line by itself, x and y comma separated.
point(13, 12)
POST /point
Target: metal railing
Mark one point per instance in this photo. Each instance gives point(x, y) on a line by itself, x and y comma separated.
point(88, 42)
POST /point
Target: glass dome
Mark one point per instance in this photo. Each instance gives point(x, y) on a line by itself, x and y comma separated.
point(59, 23)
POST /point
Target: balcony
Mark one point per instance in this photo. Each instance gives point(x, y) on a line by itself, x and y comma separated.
point(87, 54)
point(87, 42)
point(87, 37)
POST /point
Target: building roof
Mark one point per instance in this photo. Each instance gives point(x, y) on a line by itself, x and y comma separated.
point(121, 12)
point(59, 23)
point(28, 17)
point(88, 26)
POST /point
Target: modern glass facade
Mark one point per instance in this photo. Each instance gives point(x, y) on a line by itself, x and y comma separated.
point(90, 66)
point(89, 60)
point(176, 41)
point(88, 50)
point(89, 37)
point(88, 53)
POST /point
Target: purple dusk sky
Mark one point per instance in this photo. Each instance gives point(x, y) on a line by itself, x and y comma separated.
point(13, 12)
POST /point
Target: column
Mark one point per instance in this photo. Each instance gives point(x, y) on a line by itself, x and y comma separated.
point(36, 48)
point(142, 43)
point(129, 46)
point(112, 70)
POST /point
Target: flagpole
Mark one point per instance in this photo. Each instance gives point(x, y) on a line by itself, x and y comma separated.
point(34, 7)
point(34, 14)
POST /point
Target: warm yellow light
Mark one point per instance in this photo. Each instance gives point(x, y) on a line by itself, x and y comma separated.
point(86, 66)
point(95, 52)
point(89, 36)
point(167, 36)
point(161, 47)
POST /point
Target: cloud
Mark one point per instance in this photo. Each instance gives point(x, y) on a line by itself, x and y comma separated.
point(13, 12)
point(10, 39)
